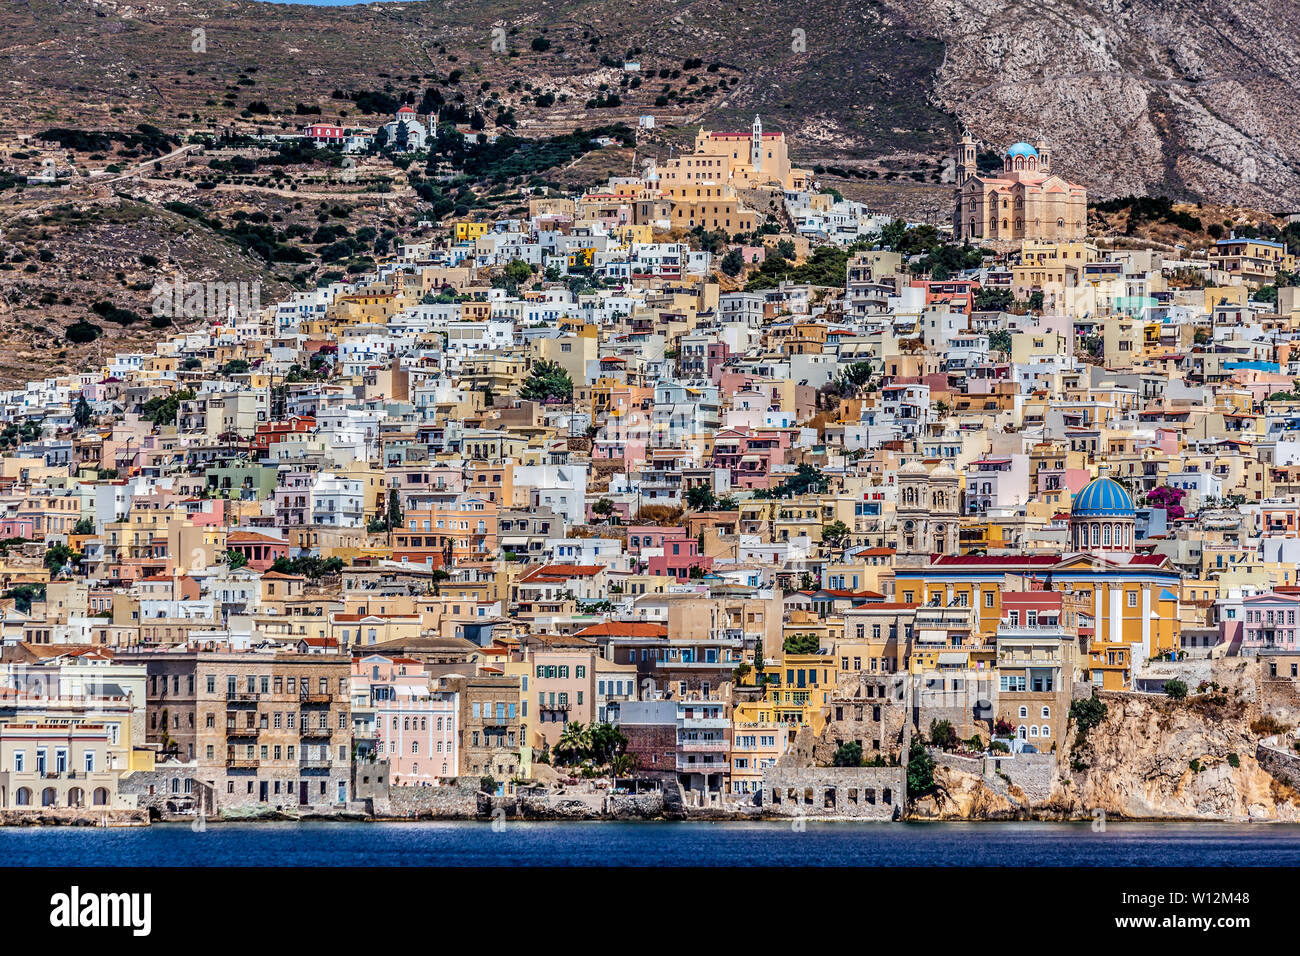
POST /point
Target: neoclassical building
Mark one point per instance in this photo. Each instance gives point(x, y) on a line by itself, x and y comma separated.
point(928, 512)
point(1026, 200)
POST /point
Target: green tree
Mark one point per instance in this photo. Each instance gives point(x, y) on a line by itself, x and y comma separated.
point(574, 744)
point(848, 754)
point(517, 272)
point(856, 376)
point(58, 556)
point(834, 533)
point(236, 560)
point(1175, 689)
point(84, 526)
point(547, 381)
point(394, 515)
point(801, 644)
point(487, 784)
point(942, 735)
point(700, 498)
point(24, 595)
point(733, 262)
point(993, 300)
point(82, 413)
point(920, 769)
point(603, 508)
point(605, 742)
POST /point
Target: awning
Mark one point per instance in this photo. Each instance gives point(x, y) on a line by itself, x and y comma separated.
point(953, 658)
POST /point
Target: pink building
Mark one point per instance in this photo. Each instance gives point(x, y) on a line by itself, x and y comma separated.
point(749, 454)
point(680, 555)
point(415, 729)
point(1269, 623)
point(650, 536)
point(261, 550)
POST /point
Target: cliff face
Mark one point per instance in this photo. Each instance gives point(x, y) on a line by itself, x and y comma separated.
point(1141, 763)
point(1163, 96)
point(1150, 758)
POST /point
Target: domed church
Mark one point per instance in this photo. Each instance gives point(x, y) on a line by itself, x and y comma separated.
point(1102, 518)
point(1026, 200)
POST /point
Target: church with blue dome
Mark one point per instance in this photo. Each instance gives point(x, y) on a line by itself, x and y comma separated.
point(1025, 200)
point(1102, 517)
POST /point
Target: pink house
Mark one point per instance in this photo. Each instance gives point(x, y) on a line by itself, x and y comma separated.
point(18, 528)
point(749, 454)
point(680, 555)
point(415, 729)
point(650, 536)
point(1269, 623)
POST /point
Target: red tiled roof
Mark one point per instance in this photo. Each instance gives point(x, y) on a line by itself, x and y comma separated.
point(623, 629)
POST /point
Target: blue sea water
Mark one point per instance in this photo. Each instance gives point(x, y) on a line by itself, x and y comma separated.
point(655, 844)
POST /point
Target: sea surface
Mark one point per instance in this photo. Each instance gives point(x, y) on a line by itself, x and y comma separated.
point(655, 844)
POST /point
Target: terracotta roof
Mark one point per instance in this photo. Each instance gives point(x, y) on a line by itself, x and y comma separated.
point(623, 629)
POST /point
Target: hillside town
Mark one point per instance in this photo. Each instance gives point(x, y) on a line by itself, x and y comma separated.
point(704, 491)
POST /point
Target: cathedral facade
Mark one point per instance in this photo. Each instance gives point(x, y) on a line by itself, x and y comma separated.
point(1025, 200)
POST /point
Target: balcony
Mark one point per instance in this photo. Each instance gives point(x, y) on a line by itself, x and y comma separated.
point(243, 731)
point(704, 723)
point(307, 697)
point(314, 763)
point(235, 698)
point(703, 766)
point(323, 733)
point(242, 763)
point(716, 745)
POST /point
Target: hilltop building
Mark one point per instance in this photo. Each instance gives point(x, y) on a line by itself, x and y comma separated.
point(1024, 200)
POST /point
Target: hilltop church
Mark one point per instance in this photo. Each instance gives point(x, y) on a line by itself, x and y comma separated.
point(1024, 200)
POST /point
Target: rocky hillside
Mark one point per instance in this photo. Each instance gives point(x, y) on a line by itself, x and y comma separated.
point(1181, 97)
point(1188, 98)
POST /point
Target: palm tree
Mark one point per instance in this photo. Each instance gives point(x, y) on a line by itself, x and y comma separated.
point(574, 743)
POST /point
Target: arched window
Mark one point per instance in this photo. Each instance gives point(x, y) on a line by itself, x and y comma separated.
point(23, 797)
point(1033, 730)
point(1021, 733)
point(1105, 535)
point(1096, 535)
point(1047, 731)
point(1024, 712)
point(76, 797)
point(1047, 713)
point(48, 796)
point(100, 797)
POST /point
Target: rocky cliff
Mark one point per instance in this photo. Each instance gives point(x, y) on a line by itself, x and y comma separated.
point(1182, 97)
point(1150, 758)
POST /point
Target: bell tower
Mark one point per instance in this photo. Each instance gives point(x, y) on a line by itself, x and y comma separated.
point(756, 145)
point(1044, 156)
point(965, 157)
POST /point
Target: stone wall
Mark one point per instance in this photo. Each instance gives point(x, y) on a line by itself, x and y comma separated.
point(429, 803)
point(852, 793)
point(73, 817)
point(1280, 764)
point(1024, 777)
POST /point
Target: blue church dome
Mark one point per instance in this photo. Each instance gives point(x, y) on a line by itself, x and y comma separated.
point(1103, 498)
point(1022, 149)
